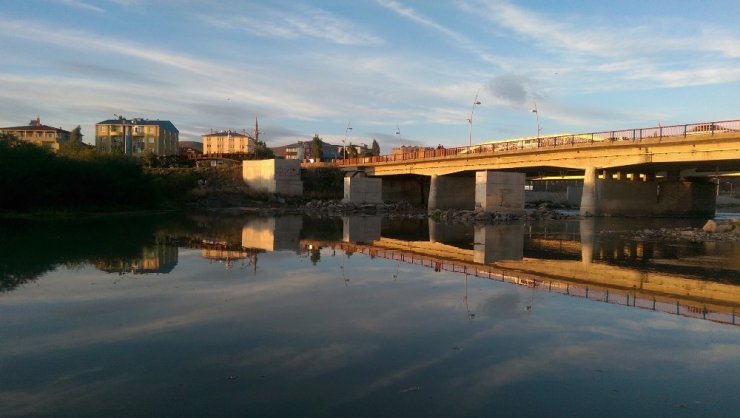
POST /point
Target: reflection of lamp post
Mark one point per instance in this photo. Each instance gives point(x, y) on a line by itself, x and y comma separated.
point(344, 142)
point(476, 102)
point(537, 113)
point(471, 315)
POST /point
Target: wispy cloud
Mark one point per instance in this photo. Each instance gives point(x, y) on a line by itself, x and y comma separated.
point(455, 37)
point(633, 52)
point(77, 4)
point(298, 22)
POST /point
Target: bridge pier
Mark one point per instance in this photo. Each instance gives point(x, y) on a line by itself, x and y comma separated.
point(361, 189)
point(498, 191)
point(588, 196)
point(618, 194)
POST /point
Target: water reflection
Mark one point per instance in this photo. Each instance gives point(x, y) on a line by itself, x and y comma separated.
point(30, 249)
point(403, 317)
point(566, 257)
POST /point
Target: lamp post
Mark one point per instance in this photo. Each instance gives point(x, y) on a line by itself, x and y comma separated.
point(537, 113)
point(344, 141)
point(400, 145)
point(476, 102)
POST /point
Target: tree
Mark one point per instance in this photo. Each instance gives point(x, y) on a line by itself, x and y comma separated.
point(375, 150)
point(262, 152)
point(75, 136)
point(74, 147)
point(351, 151)
point(149, 158)
point(317, 148)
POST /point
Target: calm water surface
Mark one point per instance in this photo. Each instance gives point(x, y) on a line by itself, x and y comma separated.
point(299, 316)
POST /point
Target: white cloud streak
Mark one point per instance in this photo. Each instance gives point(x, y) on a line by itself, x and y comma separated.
point(298, 23)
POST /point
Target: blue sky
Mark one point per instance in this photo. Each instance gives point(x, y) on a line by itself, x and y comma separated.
point(306, 67)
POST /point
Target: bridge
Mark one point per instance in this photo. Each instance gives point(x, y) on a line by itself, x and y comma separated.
point(647, 171)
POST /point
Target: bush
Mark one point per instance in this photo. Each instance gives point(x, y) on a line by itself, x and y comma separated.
point(32, 178)
point(322, 183)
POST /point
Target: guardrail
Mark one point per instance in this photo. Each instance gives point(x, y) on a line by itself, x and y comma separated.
point(605, 137)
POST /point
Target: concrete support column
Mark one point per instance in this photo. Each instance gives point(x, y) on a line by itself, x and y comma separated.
point(432, 205)
point(501, 192)
point(359, 189)
point(588, 197)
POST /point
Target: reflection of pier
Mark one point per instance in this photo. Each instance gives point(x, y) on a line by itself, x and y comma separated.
point(578, 278)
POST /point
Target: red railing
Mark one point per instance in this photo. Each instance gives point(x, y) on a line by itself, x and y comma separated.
point(601, 138)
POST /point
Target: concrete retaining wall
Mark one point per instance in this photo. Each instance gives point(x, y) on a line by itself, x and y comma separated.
point(274, 176)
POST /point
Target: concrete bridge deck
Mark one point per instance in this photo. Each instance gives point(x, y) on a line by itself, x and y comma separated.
point(713, 146)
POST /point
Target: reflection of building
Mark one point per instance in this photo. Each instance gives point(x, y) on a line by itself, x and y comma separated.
point(273, 234)
point(159, 258)
point(137, 136)
point(221, 254)
point(228, 142)
point(38, 134)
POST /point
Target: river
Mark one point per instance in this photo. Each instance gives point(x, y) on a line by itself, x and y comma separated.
point(235, 315)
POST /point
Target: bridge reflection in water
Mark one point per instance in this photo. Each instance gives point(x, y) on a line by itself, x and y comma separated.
point(621, 272)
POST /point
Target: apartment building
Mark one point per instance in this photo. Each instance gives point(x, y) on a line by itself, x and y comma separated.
point(137, 136)
point(37, 133)
point(228, 142)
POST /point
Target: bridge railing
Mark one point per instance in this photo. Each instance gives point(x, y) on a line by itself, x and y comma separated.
point(555, 141)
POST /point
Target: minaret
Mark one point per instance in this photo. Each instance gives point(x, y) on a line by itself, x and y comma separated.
point(256, 136)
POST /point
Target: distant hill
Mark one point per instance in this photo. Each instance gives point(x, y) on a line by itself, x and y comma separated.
point(192, 144)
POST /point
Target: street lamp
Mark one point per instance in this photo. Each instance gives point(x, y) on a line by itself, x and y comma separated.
point(476, 102)
point(537, 113)
point(344, 141)
point(400, 145)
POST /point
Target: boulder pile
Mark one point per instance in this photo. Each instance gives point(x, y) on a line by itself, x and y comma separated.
point(335, 207)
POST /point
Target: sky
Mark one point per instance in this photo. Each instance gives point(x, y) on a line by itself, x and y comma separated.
point(400, 72)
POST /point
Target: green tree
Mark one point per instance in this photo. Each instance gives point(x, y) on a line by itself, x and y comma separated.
point(317, 148)
point(262, 152)
point(75, 135)
point(74, 147)
point(375, 150)
point(351, 151)
point(149, 158)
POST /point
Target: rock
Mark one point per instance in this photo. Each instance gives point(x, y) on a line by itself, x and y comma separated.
point(710, 226)
point(725, 227)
